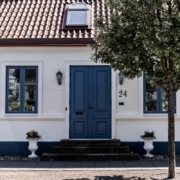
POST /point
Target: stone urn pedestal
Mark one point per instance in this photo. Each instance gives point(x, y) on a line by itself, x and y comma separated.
point(33, 147)
point(148, 145)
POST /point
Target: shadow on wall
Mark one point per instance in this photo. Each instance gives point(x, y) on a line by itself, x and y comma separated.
point(110, 178)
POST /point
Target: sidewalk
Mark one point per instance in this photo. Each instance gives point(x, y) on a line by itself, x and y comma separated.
point(85, 165)
point(81, 170)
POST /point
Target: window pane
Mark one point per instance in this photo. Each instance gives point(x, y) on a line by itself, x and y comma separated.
point(30, 73)
point(14, 105)
point(150, 84)
point(14, 76)
point(14, 94)
point(13, 84)
point(151, 94)
point(30, 106)
point(77, 18)
point(30, 90)
point(78, 6)
point(163, 95)
point(30, 94)
point(151, 106)
point(164, 105)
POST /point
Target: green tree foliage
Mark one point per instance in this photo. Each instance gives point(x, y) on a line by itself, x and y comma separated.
point(143, 36)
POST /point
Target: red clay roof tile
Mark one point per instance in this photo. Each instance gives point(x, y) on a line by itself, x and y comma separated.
point(42, 19)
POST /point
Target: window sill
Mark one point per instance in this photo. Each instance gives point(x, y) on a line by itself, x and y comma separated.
point(157, 115)
point(21, 115)
point(46, 116)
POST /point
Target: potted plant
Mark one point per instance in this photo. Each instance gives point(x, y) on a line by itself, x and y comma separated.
point(33, 138)
point(148, 138)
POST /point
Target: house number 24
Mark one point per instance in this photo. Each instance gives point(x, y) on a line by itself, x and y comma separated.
point(122, 93)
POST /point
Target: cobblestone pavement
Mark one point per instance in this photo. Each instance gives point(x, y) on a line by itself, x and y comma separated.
point(81, 175)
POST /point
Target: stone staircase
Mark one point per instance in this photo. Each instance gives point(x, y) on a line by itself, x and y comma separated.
point(89, 150)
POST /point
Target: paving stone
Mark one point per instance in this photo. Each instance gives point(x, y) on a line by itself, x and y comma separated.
point(4, 164)
point(131, 164)
point(72, 164)
point(88, 164)
point(160, 163)
point(116, 164)
point(145, 164)
point(15, 164)
point(61, 164)
point(43, 164)
point(29, 165)
point(103, 164)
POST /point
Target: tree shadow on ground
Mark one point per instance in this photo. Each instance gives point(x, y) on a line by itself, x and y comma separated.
point(111, 178)
point(118, 178)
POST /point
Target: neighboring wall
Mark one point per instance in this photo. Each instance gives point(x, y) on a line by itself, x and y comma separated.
point(52, 123)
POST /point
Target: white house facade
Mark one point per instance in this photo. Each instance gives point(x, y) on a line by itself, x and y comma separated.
point(89, 103)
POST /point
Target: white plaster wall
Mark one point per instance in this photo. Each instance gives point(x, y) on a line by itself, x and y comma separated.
point(130, 130)
point(129, 122)
point(15, 129)
point(51, 122)
point(130, 106)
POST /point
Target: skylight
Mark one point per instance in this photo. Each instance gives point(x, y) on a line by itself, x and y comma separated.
point(77, 15)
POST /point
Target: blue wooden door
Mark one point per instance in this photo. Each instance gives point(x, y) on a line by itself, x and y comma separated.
point(90, 102)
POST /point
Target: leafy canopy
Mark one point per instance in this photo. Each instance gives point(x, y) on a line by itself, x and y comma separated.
point(141, 36)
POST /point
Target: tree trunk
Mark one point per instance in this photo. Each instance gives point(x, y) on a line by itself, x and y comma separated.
point(171, 135)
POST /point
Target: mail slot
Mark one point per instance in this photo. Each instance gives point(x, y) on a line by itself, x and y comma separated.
point(79, 112)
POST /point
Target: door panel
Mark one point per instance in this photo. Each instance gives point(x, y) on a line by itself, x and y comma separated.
point(90, 102)
point(78, 93)
point(79, 128)
point(101, 128)
point(101, 92)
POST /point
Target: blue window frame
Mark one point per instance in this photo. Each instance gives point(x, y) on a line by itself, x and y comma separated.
point(21, 89)
point(155, 100)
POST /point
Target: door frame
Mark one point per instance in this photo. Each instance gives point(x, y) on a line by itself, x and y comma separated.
point(113, 94)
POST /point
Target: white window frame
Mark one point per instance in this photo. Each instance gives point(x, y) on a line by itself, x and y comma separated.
point(3, 95)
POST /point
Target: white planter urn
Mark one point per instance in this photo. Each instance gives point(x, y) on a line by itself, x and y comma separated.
point(148, 145)
point(33, 147)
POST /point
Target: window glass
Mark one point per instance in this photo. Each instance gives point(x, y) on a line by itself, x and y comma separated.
point(30, 90)
point(13, 89)
point(77, 17)
point(21, 94)
point(78, 6)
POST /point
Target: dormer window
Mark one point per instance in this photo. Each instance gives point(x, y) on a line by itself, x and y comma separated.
point(77, 15)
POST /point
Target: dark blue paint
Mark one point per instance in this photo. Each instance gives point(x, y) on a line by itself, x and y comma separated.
point(21, 148)
point(160, 148)
point(90, 102)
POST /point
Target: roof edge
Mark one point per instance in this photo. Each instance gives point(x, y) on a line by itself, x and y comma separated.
point(47, 42)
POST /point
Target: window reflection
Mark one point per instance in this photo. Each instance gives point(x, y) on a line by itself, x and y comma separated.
point(151, 106)
point(22, 87)
point(14, 84)
point(155, 98)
